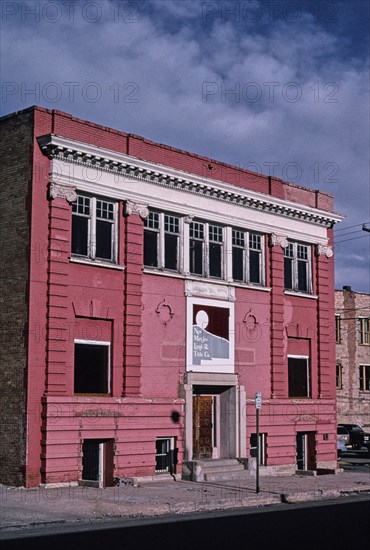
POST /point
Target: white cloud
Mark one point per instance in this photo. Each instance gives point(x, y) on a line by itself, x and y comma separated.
point(168, 66)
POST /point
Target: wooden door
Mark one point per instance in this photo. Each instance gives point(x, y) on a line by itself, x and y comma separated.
point(301, 451)
point(311, 451)
point(202, 426)
point(90, 460)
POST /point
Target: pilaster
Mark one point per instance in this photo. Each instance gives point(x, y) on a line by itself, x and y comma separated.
point(57, 290)
point(278, 367)
point(134, 243)
point(325, 321)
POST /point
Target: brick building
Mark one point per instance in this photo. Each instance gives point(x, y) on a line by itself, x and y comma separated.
point(148, 293)
point(353, 356)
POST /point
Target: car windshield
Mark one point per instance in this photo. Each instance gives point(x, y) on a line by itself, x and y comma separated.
point(355, 428)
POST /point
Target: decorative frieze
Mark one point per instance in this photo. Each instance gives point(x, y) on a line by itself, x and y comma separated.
point(208, 290)
point(56, 147)
point(136, 208)
point(62, 191)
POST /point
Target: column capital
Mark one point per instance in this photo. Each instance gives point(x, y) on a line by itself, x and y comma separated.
point(282, 240)
point(141, 210)
point(326, 249)
point(62, 191)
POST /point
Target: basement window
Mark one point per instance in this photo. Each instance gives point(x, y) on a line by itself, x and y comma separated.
point(92, 368)
point(164, 455)
point(262, 447)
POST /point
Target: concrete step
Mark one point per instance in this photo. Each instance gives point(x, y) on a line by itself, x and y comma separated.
point(224, 462)
point(226, 476)
point(230, 468)
point(213, 469)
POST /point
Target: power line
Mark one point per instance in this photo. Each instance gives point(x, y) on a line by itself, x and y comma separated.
point(350, 233)
point(350, 226)
point(353, 239)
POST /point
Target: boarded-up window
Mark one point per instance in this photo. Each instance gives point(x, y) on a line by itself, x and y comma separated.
point(298, 377)
point(91, 369)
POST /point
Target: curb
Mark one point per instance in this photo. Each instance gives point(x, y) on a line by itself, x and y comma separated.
point(146, 510)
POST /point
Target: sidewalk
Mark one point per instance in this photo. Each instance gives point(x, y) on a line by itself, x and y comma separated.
point(22, 507)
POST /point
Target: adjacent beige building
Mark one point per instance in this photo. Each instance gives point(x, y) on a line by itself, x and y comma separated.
point(352, 314)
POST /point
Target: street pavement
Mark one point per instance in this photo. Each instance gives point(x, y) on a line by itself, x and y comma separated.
point(26, 508)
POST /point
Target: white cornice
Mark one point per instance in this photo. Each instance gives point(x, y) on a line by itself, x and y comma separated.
point(123, 165)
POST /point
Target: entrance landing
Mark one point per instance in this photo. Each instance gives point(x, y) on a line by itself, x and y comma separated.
point(214, 470)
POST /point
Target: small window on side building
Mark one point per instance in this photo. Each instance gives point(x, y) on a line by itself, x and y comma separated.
point(364, 331)
point(339, 372)
point(338, 329)
point(364, 377)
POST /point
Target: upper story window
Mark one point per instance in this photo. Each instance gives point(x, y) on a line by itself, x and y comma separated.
point(162, 241)
point(297, 267)
point(364, 331)
point(338, 329)
point(206, 250)
point(203, 248)
point(247, 255)
point(94, 228)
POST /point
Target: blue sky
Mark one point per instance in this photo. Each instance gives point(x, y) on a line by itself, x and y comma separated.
point(275, 86)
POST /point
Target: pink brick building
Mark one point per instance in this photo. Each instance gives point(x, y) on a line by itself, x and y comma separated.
point(149, 293)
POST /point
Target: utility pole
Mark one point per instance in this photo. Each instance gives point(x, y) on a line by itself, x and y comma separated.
point(258, 406)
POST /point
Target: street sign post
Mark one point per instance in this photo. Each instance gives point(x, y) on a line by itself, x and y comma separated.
point(258, 406)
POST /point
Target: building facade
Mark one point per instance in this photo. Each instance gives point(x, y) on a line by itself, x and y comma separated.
point(352, 337)
point(148, 295)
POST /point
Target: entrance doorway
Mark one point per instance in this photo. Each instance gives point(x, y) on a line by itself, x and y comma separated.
point(306, 451)
point(97, 462)
point(214, 424)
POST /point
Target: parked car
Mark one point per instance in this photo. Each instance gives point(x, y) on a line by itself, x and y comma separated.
point(342, 435)
point(353, 436)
